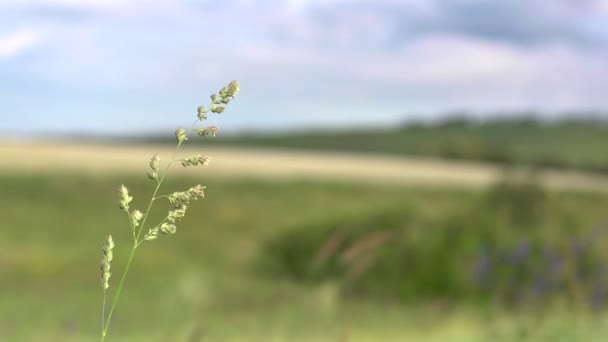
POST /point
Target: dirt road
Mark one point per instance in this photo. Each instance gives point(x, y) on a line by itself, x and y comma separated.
point(274, 164)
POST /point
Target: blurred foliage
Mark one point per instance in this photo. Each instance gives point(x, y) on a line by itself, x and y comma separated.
point(54, 225)
point(497, 248)
point(288, 260)
point(578, 141)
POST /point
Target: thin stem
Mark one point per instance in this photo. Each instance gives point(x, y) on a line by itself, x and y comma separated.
point(132, 226)
point(158, 225)
point(103, 312)
point(160, 182)
point(136, 241)
point(117, 295)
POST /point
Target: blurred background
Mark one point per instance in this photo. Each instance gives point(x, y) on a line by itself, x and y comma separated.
point(391, 170)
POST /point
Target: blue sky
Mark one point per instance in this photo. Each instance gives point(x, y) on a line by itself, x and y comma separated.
point(124, 66)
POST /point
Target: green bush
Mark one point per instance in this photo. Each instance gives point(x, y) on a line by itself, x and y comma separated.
point(402, 254)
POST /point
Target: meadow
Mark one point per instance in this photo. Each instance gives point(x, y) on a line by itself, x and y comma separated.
point(230, 273)
point(577, 141)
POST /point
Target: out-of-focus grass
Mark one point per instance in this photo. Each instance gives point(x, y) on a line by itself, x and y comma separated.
point(501, 140)
point(201, 282)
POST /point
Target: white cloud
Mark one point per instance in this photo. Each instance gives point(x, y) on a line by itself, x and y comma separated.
point(14, 44)
point(600, 8)
point(328, 57)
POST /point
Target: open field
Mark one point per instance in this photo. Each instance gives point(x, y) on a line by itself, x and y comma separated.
point(211, 279)
point(271, 164)
point(575, 142)
point(205, 277)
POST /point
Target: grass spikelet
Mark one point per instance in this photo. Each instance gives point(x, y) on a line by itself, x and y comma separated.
point(195, 161)
point(125, 199)
point(105, 262)
point(207, 132)
point(155, 166)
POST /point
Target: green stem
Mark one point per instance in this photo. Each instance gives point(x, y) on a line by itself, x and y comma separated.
point(136, 242)
point(160, 182)
point(131, 223)
point(158, 225)
point(103, 311)
point(118, 291)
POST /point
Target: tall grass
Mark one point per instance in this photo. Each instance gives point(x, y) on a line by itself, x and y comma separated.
point(178, 201)
point(220, 281)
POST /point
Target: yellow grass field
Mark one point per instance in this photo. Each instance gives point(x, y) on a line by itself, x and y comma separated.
point(266, 163)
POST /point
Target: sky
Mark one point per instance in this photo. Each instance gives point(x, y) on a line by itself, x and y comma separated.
point(110, 66)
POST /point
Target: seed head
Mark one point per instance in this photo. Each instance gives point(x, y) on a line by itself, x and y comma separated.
point(178, 199)
point(195, 161)
point(105, 262)
point(177, 214)
point(218, 109)
point(227, 93)
point(168, 228)
point(216, 99)
point(180, 134)
point(155, 166)
point(155, 162)
point(207, 132)
point(202, 113)
point(136, 216)
point(196, 192)
point(152, 234)
point(234, 88)
point(125, 199)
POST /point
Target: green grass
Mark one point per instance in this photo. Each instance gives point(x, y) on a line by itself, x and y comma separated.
point(205, 278)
